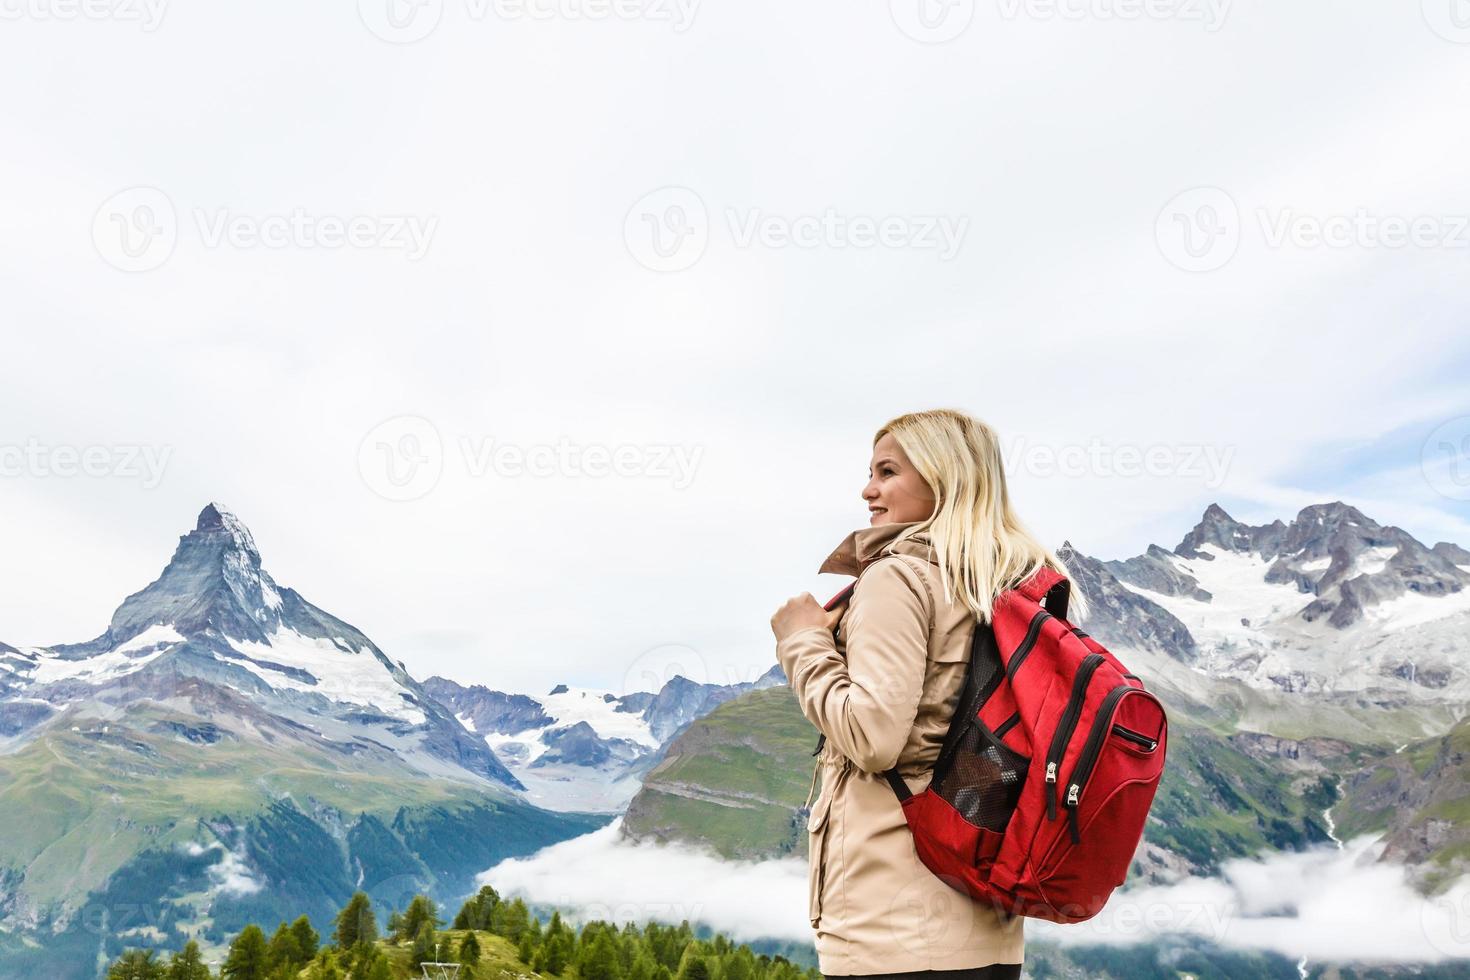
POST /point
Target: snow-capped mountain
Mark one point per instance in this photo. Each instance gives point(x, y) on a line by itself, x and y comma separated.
point(583, 749)
point(216, 616)
point(1330, 604)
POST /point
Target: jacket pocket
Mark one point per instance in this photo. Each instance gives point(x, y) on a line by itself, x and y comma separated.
point(818, 824)
point(817, 845)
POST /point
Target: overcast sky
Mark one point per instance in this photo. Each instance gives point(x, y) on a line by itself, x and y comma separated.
point(324, 263)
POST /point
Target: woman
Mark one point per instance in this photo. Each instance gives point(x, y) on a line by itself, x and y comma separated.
point(941, 544)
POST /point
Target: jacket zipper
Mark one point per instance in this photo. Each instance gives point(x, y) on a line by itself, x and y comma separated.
point(1068, 723)
point(1032, 632)
point(1088, 759)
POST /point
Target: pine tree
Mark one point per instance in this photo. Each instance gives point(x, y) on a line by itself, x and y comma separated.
point(188, 964)
point(282, 948)
point(599, 959)
point(515, 918)
point(306, 938)
point(469, 949)
point(477, 912)
point(558, 953)
point(356, 922)
point(424, 946)
point(694, 967)
point(136, 964)
point(643, 966)
point(248, 956)
point(366, 962)
point(422, 909)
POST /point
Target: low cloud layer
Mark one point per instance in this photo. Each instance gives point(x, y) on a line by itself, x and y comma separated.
point(599, 876)
point(1326, 904)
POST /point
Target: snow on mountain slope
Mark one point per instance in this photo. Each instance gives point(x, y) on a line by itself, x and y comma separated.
point(215, 615)
point(578, 748)
point(1332, 604)
point(323, 666)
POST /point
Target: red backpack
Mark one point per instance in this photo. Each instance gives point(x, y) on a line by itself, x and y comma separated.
point(1048, 769)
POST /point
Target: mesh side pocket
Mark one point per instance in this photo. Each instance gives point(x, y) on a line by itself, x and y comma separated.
point(983, 779)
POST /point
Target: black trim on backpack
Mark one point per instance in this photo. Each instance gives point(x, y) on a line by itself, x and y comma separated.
point(983, 653)
point(1024, 647)
point(900, 788)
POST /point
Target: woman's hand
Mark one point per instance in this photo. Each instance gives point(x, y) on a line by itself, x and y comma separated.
point(802, 611)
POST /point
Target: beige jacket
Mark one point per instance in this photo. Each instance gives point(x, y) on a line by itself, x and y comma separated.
point(883, 691)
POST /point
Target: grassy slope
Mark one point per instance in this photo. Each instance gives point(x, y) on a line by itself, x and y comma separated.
point(1421, 798)
point(77, 806)
point(1215, 800)
point(750, 760)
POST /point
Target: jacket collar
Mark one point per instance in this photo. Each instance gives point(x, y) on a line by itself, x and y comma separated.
point(867, 544)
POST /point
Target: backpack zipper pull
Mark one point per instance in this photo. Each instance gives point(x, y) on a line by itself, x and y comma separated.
point(1073, 792)
point(1051, 798)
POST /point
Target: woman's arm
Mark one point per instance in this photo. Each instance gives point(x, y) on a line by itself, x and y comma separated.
point(866, 704)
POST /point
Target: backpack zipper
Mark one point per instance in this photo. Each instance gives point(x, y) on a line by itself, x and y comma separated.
point(1088, 759)
point(1137, 738)
point(1032, 632)
point(1068, 722)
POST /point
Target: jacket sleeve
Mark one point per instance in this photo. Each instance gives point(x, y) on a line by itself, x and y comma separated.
point(866, 704)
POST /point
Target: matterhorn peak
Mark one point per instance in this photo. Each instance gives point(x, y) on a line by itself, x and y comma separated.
point(217, 517)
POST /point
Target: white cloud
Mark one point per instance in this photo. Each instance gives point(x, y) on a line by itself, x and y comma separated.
point(231, 873)
point(1324, 904)
point(599, 876)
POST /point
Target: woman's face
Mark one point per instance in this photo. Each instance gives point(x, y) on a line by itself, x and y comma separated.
point(895, 492)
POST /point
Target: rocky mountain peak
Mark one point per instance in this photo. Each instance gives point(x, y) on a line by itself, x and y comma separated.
point(213, 582)
point(1218, 528)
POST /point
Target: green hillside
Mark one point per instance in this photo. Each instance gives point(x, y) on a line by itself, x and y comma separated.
point(1419, 798)
point(126, 830)
point(735, 780)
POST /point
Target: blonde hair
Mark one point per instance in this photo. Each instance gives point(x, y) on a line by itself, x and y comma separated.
point(981, 547)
